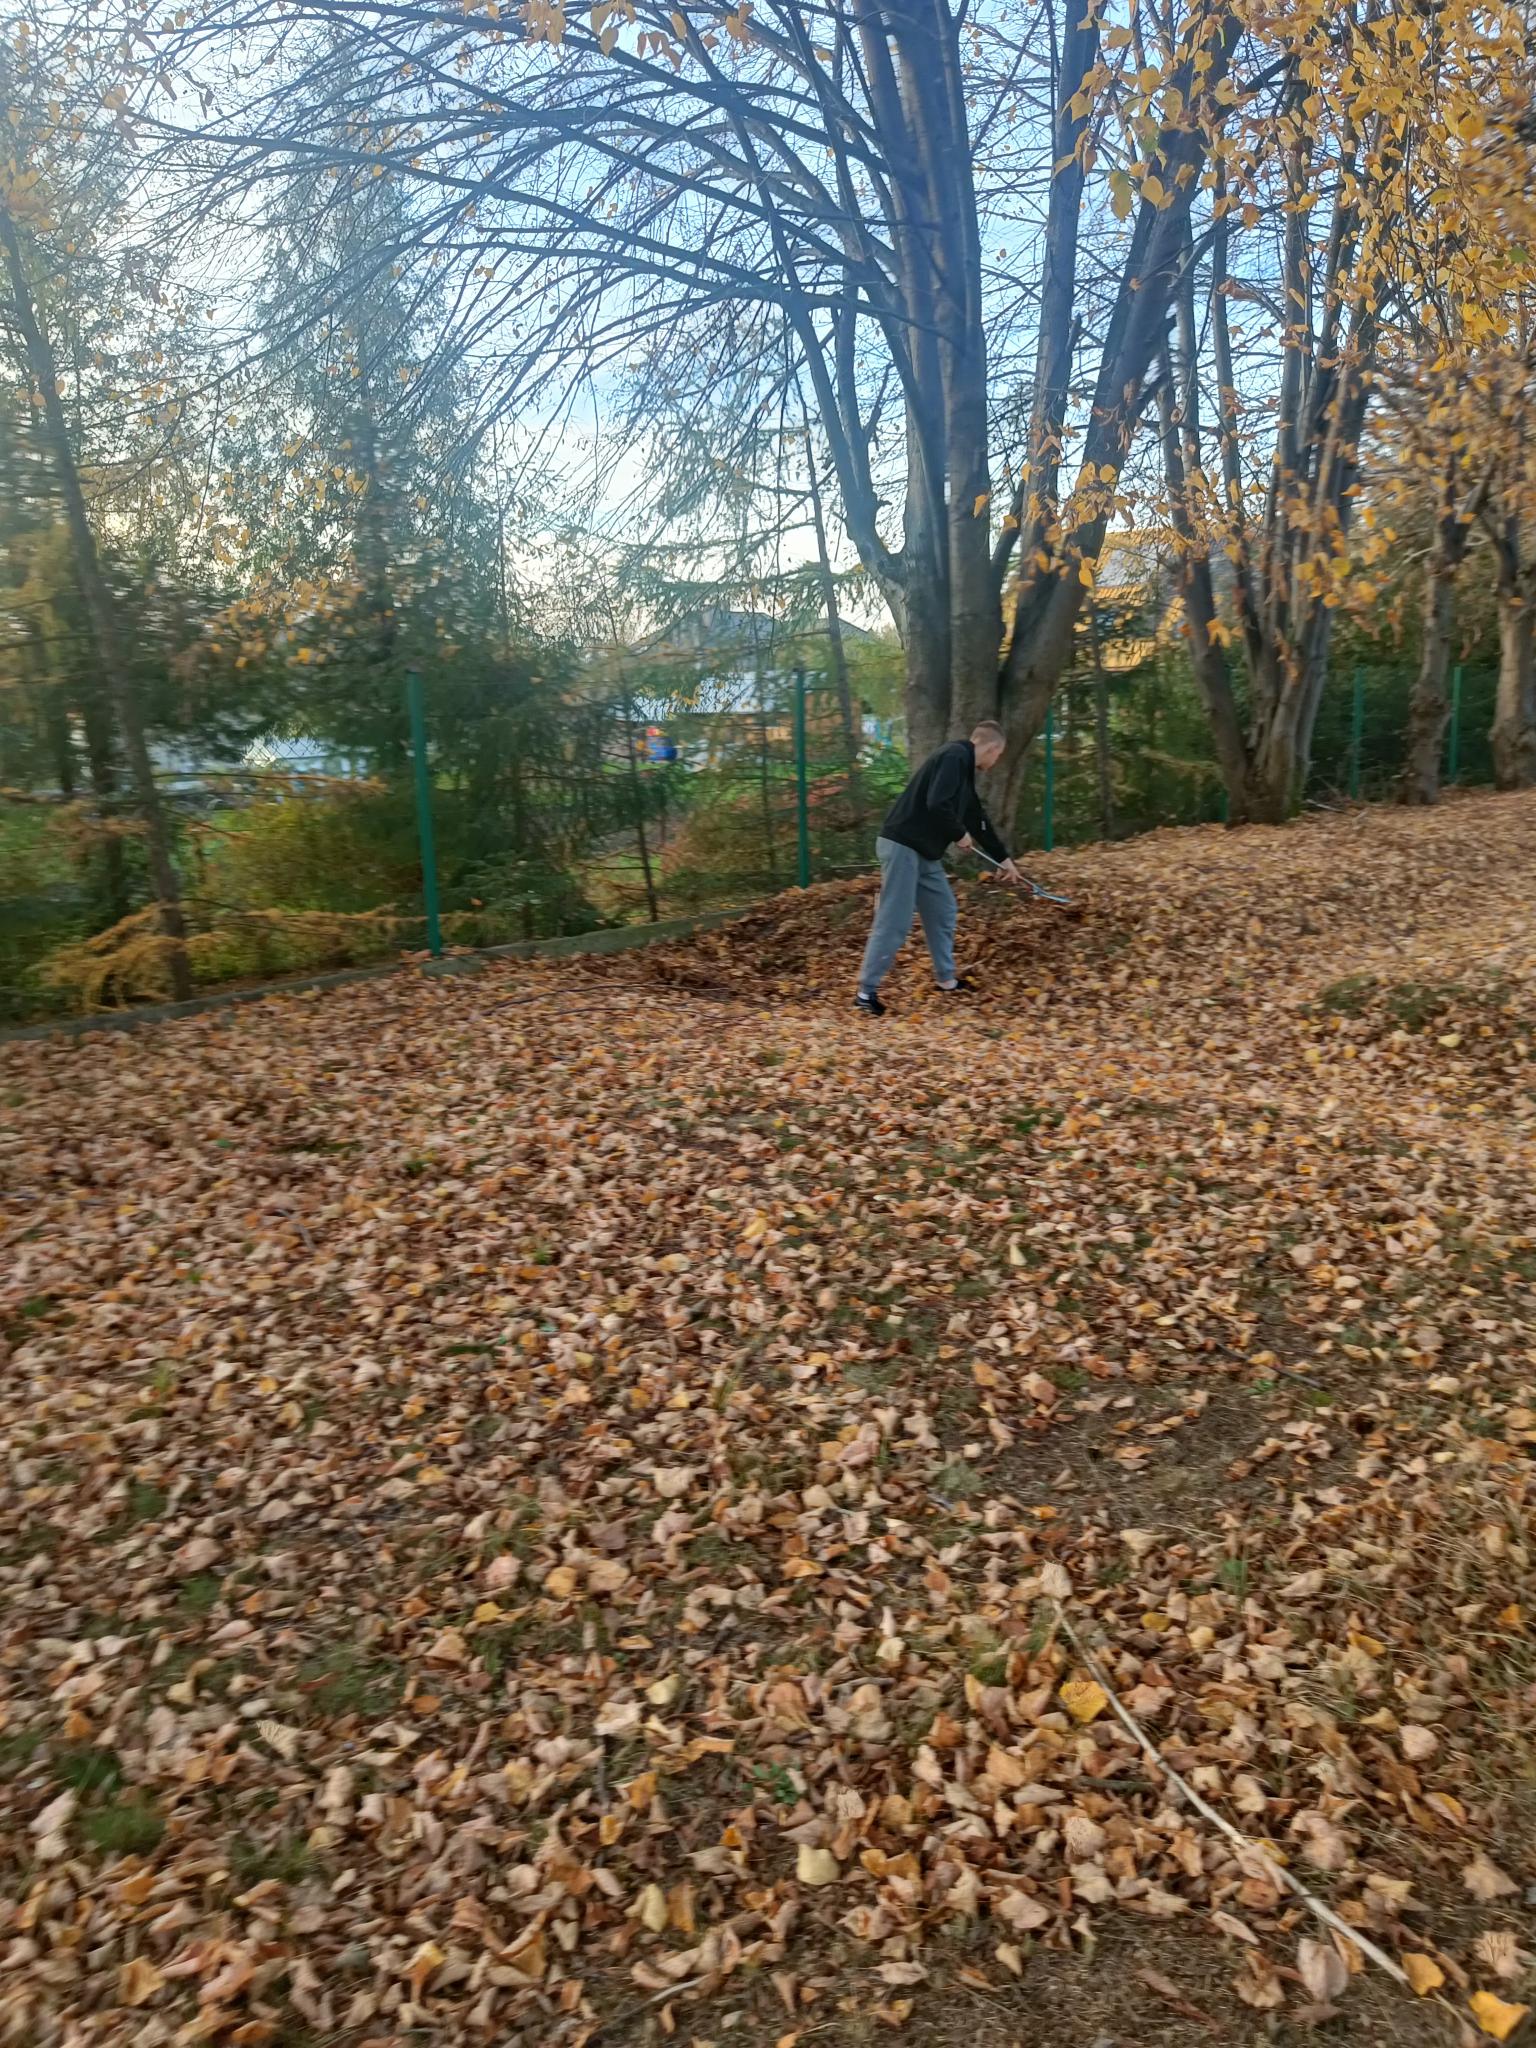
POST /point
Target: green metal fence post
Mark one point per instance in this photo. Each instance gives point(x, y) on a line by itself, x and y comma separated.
point(1048, 806)
point(802, 800)
point(1356, 730)
point(1453, 768)
point(424, 813)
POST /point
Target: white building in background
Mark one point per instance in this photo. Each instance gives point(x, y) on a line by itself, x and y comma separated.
point(298, 755)
point(743, 686)
point(268, 763)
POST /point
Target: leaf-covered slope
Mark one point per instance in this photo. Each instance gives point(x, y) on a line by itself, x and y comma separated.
point(548, 1506)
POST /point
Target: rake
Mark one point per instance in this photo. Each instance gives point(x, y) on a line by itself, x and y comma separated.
point(1040, 895)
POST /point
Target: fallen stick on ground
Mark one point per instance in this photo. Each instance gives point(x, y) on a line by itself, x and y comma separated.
point(641, 2005)
point(1272, 1869)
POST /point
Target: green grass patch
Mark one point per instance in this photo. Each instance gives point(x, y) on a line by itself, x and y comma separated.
point(37, 1539)
point(990, 1665)
point(345, 1680)
point(145, 1503)
point(776, 1781)
point(1349, 997)
point(17, 1749)
point(200, 1594)
point(132, 1827)
point(1414, 1004)
point(19, 1326)
point(287, 1861)
point(497, 1647)
point(959, 1481)
point(87, 1770)
point(1233, 1577)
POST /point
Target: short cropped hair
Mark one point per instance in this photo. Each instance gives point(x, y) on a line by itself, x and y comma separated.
point(988, 733)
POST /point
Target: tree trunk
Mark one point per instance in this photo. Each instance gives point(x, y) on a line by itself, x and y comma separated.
point(975, 602)
point(1031, 668)
point(103, 774)
point(1314, 680)
point(928, 678)
point(1514, 721)
point(637, 794)
point(1270, 797)
point(1051, 597)
point(100, 606)
point(1197, 589)
point(1024, 722)
point(1429, 708)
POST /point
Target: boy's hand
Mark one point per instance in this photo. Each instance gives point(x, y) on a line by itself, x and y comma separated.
point(1010, 873)
point(965, 845)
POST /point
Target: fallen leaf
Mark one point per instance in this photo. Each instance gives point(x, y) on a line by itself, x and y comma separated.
point(427, 1960)
point(236, 1976)
point(1258, 1984)
point(816, 1866)
point(902, 1973)
point(278, 1736)
point(1495, 2016)
point(138, 1981)
point(1423, 1973)
point(1484, 1879)
point(1005, 1767)
point(1323, 1970)
point(1084, 1699)
point(1305, 1586)
point(1084, 1837)
point(1498, 1951)
point(1324, 1845)
point(1022, 1911)
point(55, 1815)
point(1230, 1924)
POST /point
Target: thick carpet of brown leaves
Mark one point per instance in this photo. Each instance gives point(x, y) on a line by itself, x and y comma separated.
point(629, 1502)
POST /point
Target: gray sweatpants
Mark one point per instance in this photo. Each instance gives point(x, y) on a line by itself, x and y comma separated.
point(909, 885)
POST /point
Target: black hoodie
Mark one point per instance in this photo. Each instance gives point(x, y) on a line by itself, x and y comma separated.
point(940, 805)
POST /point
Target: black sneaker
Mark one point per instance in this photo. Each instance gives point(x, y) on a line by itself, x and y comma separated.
point(867, 1001)
point(961, 986)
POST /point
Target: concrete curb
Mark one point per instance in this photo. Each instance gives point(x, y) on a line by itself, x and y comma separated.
point(619, 939)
